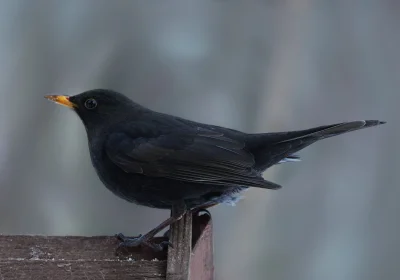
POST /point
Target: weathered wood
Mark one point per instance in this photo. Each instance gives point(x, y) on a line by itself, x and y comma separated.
point(191, 258)
point(41, 257)
point(179, 255)
point(202, 260)
point(78, 258)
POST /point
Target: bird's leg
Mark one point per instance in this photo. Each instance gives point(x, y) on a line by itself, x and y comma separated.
point(145, 239)
point(196, 211)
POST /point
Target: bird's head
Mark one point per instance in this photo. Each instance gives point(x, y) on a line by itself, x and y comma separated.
point(99, 107)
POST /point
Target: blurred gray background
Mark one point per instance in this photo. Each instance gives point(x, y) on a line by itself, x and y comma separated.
point(255, 66)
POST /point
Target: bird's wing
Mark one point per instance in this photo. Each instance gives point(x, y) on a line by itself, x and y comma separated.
point(193, 155)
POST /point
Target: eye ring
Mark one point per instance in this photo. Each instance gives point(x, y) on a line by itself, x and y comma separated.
point(90, 104)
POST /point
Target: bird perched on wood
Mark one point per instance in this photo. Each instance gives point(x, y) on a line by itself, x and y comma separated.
point(164, 161)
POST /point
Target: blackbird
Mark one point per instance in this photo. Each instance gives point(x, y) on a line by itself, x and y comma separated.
point(163, 161)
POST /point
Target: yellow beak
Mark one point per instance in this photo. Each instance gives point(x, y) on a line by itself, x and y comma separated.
point(62, 100)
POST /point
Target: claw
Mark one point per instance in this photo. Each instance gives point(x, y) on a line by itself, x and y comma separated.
point(158, 247)
point(166, 244)
point(120, 236)
point(129, 241)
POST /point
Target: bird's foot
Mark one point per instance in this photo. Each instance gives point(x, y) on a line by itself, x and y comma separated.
point(129, 242)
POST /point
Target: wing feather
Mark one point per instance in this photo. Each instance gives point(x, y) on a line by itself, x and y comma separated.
point(193, 155)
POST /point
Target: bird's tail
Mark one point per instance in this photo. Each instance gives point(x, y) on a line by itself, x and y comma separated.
point(280, 147)
point(323, 132)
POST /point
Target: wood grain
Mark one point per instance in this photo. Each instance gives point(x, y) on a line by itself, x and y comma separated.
point(25, 257)
point(202, 262)
point(72, 257)
point(179, 255)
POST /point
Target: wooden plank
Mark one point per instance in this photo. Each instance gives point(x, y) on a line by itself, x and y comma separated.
point(202, 260)
point(72, 257)
point(179, 255)
point(78, 258)
point(81, 270)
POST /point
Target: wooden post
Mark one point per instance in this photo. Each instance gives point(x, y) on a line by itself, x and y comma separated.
point(179, 255)
point(75, 257)
point(202, 260)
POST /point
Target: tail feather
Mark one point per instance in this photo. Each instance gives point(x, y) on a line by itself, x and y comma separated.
point(274, 148)
point(333, 130)
point(291, 158)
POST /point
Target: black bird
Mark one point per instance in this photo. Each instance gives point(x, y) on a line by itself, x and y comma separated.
point(160, 160)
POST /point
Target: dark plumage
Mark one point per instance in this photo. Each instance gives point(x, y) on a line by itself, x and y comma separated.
point(159, 160)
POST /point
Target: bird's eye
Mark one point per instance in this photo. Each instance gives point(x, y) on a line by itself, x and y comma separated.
point(90, 103)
